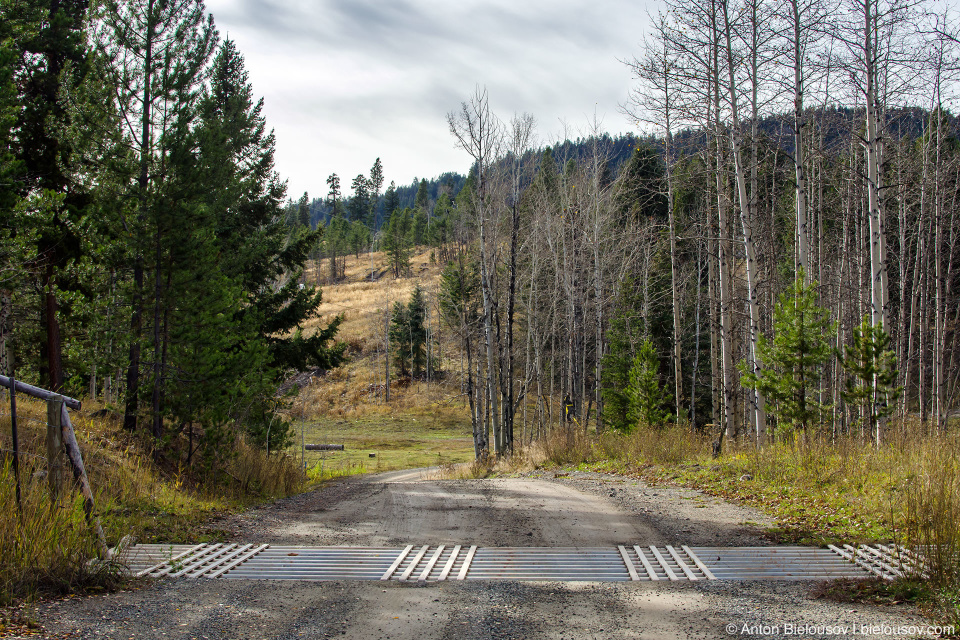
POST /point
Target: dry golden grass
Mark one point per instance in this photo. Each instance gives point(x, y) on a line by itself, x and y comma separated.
point(356, 389)
point(46, 548)
point(524, 460)
point(363, 303)
point(424, 424)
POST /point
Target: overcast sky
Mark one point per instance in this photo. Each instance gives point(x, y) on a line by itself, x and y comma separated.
point(347, 81)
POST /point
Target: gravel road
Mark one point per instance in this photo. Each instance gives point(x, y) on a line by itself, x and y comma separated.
point(582, 509)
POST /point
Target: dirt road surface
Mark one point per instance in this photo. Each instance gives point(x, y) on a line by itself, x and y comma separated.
point(413, 508)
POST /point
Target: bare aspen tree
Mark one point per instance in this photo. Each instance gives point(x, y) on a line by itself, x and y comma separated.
point(746, 216)
point(478, 132)
point(699, 45)
point(654, 103)
point(804, 20)
point(942, 72)
point(877, 35)
point(725, 253)
point(521, 133)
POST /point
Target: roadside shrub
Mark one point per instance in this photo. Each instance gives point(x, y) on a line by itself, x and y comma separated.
point(268, 476)
point(667, 444)
point(931, 513)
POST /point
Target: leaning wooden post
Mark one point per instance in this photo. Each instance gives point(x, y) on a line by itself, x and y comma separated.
point(55, 457)
point(80, 476)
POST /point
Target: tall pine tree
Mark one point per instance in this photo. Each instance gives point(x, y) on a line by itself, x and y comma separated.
point(159, 53)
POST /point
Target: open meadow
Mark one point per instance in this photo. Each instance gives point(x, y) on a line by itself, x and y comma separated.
point(426, 423)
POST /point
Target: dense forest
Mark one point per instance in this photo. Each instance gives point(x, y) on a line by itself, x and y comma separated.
point(145, 252)
point(777, 259)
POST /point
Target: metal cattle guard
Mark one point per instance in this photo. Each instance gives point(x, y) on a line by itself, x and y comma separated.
point(427, 563)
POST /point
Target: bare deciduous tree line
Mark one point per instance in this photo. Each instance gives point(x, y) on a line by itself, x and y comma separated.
point(793, 139)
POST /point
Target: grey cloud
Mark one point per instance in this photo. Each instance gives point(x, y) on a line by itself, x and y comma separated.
point(552, 58)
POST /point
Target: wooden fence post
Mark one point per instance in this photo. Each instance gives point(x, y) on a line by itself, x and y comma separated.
point(55, 457)
point(80, 477)
point(60, 441)
point(16, 440)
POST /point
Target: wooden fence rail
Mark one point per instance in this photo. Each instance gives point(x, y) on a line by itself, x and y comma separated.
point(41, 394)
point(67, 443)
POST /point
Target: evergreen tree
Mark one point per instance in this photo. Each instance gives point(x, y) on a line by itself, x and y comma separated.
point(359, 237)
point(334, 196)
point(360, 202)
point(422, 200)
point(617, 365)
point(872, 369)
point(396, 241)
point(646, 397)
point(336, 242)
point(255, 251)
point(628, 329)
point(391, 200)
point(374, 184)
point(303, 210)
point(408, 334)
point(793, 362)
point(419, 229)
point(459, 288)
point(643, 193)
point(438, 231)
point(48, 56)
point(547, 179)
point(14, 247)
point(159, 53)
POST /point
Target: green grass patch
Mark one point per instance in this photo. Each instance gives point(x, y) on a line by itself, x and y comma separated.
point(404, 440)
point(808, 509)
point(152, 522)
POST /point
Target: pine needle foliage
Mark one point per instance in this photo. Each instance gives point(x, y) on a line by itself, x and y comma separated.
point(408, 335)
point(872, 369)
point(792, 363)
point(646, 397)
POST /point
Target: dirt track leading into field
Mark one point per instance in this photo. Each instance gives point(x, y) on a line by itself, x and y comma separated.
point(411, 508)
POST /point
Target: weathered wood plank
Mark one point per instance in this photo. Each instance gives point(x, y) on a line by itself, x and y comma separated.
point(80, 476)
point(37, 392)
point(55, 457)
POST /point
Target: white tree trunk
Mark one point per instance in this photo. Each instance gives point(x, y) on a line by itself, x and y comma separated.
point(746, 220)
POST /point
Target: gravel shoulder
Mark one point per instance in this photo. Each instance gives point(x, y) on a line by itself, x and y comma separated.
point(582, 509)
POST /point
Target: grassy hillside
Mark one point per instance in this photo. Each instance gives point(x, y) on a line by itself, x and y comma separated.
point(425, 423)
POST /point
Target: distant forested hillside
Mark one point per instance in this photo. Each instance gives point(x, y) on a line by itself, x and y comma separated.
point(837, 124)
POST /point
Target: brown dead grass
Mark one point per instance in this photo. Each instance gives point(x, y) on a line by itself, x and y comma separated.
point(364, 303)
point(524, 460)
point(357, 389)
